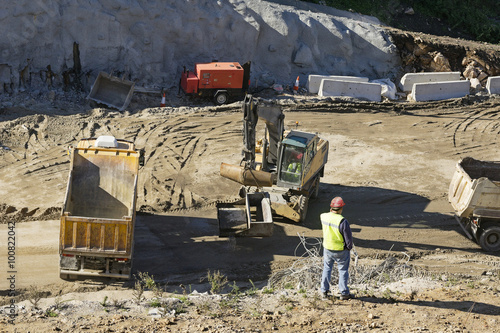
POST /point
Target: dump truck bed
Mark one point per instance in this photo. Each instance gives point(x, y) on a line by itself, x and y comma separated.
point(475, 189)
point(99, 209)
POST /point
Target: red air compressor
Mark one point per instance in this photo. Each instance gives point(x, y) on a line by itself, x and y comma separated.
point(221, 81)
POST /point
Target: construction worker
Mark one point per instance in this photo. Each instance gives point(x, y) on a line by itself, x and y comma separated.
point(337, 243)
point(295, 168)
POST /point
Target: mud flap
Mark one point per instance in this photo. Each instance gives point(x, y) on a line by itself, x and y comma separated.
point(249, 217)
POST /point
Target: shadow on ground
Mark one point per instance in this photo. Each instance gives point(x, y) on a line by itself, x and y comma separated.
point(183, 248)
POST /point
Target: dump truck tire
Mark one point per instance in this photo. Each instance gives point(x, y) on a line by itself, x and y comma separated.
point(489, 240)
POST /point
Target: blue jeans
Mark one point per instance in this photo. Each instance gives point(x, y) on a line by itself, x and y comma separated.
point(342, 258)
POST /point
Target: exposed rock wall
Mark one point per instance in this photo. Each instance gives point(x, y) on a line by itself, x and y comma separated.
point(65, 43)
point(426, 53)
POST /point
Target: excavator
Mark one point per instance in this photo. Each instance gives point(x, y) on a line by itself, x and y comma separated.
point(279, 173)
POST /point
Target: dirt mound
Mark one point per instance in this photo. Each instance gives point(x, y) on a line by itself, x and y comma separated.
point(10, 213)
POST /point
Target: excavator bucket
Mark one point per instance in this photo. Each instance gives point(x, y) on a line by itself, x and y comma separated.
point(248, 217)
point(112, 91)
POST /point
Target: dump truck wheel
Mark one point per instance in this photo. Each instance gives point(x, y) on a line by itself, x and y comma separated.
point(489, 240)
point(221, 98)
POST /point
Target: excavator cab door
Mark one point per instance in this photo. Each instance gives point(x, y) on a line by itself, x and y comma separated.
point(291, 169)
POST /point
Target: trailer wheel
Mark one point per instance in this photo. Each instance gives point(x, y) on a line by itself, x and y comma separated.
point(489, 240)
point(221, 98)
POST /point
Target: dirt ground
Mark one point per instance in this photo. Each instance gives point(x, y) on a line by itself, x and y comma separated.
point(391, 162)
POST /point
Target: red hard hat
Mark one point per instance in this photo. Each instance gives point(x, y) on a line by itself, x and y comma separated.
point(337, 202)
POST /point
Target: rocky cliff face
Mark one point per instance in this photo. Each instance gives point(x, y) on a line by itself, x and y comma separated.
point(66, 43)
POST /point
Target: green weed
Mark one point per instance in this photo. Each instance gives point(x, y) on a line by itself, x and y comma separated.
point(267, 290)
point(217, 281)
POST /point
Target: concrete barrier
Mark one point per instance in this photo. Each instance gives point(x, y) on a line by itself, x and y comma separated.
point(314, 81)
point(362, 90)
point(436, 91)
point(493, 85)
point(408, 80)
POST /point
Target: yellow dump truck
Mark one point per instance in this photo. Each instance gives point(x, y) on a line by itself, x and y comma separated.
point(98, 215)
point(474, 194)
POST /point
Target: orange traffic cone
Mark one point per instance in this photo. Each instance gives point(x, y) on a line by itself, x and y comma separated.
point(163, 101)
point(296, 85)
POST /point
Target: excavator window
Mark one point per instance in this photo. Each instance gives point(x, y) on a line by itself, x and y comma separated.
point(292, 164)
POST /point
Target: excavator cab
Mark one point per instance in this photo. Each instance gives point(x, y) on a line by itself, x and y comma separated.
point(292, 163)
point(298, 150)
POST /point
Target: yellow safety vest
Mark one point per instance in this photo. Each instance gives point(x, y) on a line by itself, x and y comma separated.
point(332, 238)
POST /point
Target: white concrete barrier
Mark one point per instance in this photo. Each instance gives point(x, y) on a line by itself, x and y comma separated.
point(493, 85)
point(362, 90)
point(314, 81)
point(436, 91)
point(409, 79)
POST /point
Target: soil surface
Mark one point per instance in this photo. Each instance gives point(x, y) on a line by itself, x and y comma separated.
point(392, 162)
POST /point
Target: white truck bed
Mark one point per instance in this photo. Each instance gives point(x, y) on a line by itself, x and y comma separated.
point(475, 189)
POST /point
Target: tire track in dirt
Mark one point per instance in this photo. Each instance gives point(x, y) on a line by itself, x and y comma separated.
point(166, 153)
point(477, 133)
point(34, 161)
point(178, 151)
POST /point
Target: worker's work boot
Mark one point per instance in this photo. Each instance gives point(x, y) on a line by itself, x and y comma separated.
point(346, 297)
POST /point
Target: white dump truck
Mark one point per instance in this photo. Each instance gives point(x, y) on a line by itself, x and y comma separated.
point(474, 194)
point(98, 215)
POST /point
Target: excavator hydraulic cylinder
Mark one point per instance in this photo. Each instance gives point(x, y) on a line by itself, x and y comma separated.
point(247, 177)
